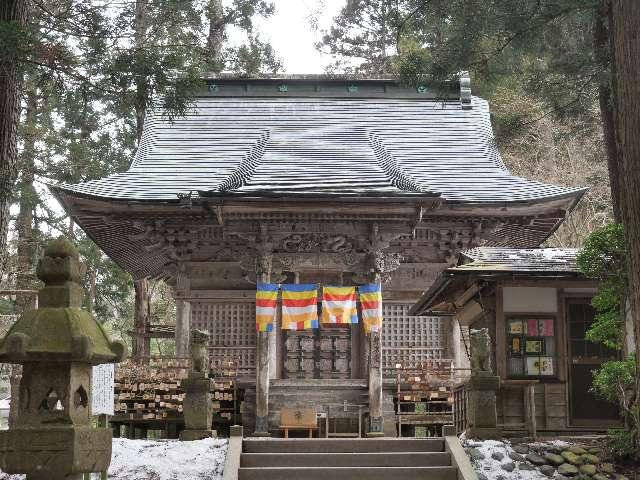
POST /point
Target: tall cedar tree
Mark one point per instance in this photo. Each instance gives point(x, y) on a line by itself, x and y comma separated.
point(626, 44)
point(13, 15)
point(92, 73)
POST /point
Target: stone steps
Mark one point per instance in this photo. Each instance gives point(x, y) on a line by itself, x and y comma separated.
point(397, 459)
point(340, 445)
point(348, 473)
point(348, 459)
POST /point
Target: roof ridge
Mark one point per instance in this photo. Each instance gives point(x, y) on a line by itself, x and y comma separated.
point(245, 169)
point(390, 167)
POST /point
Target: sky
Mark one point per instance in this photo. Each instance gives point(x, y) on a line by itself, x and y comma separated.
point(290, 33)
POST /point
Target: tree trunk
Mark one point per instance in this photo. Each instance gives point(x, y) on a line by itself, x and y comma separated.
point(626, 68)
point(12, 15)
point(215, 39)
point(25, 275)
point(602, 50)
point(141, 81)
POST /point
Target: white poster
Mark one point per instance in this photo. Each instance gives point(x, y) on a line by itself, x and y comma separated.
point(102, 389)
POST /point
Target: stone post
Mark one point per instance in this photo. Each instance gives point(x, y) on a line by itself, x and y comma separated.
point(264, 352)
point(57, 344)
point(198, 410)
point(482, 416)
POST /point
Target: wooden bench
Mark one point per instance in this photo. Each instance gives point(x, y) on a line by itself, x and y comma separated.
point(298, 419)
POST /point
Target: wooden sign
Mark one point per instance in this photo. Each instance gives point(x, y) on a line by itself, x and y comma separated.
point(102, 380)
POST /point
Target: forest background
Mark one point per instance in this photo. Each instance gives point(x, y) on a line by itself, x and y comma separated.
point(90, 70)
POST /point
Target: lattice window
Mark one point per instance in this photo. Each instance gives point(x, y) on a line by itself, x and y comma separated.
point(232, 331)
point(410, 340)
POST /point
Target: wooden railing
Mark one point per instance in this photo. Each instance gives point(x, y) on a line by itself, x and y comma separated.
point(460, 408)
point(528, 420)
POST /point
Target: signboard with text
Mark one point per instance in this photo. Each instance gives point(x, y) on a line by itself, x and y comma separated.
point(102, 389)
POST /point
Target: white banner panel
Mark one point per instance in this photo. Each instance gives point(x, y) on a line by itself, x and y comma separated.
point(102, 389)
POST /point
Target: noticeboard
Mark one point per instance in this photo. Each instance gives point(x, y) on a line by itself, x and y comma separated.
point(102, 389)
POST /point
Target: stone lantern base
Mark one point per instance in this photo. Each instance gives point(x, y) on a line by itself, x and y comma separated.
point(197, 409)
point(55, 453)
point(482, 417)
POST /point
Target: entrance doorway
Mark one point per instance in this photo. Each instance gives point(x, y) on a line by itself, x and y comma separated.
point(585, 356)
point(324, 352)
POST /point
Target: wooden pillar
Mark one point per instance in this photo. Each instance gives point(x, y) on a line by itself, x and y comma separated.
point(183, 318)
point(376, 420)
point(273, 349)
point(265, 353)
point(183, 311)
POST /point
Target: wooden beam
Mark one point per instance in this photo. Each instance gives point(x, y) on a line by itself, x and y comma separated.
point(501, 354)
point(467, 295)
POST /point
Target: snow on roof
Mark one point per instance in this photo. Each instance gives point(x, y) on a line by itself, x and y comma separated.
point(247, 138)
point(532, 260)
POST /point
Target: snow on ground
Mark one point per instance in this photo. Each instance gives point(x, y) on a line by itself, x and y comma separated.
point(167, 460)
point(163, 460)
point(491, 468)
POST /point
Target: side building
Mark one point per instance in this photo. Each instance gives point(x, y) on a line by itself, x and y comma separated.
point(311, 179)
point(536, 305)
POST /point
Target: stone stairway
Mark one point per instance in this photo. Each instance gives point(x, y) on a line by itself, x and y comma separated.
point(352, 459)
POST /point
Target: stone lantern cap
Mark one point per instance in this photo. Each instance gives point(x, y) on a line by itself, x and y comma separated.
point(59, 330)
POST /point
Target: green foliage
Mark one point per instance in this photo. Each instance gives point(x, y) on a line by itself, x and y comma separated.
point(603, 257)
point(614, 377)
point(621, 443)
point(6, 307)
point(608, 324)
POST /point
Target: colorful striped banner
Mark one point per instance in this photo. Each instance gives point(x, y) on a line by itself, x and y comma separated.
point(266, 304)
point(339, 305)
point(371, 305)
point(299, 306)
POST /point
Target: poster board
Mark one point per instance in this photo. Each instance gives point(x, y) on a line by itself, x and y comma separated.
point(102, 379)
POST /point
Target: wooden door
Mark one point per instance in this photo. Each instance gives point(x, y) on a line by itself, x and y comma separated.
point(320, 353)
point(584, 358)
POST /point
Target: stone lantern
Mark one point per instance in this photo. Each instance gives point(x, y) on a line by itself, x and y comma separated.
point(57, 345)
point(197, 407)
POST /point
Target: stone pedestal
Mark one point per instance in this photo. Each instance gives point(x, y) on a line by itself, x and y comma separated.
point(482, 417)
point(197, 409)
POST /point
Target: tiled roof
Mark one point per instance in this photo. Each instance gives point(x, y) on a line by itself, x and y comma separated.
point(343, 146)
point(518, 260)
